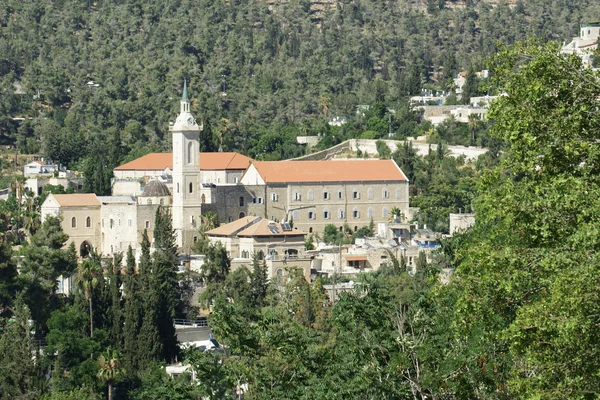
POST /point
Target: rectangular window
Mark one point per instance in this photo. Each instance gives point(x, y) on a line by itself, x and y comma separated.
point(340, 195)
point(241, 201)
point(325, 195)
point(147, 225)
point(296, 215)
point(112, 223)
point(129, 222)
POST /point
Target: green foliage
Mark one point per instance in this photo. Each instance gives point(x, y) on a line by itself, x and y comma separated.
point(20, 376)
point(43, 262)
point(214, 272)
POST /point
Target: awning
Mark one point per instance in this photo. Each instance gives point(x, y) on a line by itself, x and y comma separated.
point(356, 258)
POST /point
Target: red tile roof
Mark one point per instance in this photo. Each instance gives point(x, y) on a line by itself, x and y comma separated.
point(208, 161)
point(356, 258)
point(329, 171)
point(77, 200)
point(232, 227)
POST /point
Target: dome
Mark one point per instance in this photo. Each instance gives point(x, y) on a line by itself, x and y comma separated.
point(155, 188)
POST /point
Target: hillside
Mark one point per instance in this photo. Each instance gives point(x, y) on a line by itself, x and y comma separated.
point(101, 79)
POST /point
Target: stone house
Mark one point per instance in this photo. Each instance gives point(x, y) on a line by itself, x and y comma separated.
point(278, 244)
point(81, 219)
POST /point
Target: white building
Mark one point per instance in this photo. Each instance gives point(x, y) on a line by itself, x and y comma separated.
point(462, 114)
point(41, 173)
point(585, 44)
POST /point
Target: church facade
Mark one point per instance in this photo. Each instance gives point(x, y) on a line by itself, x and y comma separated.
point(311, 193)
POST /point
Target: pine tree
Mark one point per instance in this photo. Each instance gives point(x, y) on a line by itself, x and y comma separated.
point(258, 281)
point(22, 376)
point(116, 331)
point(132, 314)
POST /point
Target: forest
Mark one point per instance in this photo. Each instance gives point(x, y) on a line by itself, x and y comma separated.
point(97, 81)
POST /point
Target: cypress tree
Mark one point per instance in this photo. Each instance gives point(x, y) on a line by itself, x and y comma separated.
point(116, 329)
point(258, 280)
point(132, 314)
point(148, 343)
point(167, 290)
point(22, 376)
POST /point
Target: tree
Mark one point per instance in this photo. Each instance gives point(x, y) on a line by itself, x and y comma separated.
point(132, 313)
point(470, 88)
point(114, 276)
point(110, 370)
point(259, 282)
point(22, 373)
point(167, 289)
point(44, 260)
point(88, 275)
point(8, 275)
point(214, 272)
point(534, 237)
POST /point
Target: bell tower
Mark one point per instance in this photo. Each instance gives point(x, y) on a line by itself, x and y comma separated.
point(186, 173)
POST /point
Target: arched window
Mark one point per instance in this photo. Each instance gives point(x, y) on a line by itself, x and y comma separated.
point(191, 187)
point(385, 193)
point(370, 194)
point(340, 194)
point(370, 213)
point(310, 230)
point(355, 213)
point(88, 222)
point(162, 202)
point(296, 215)
point(190, 149)
point(325, 214)
point(341, 213)
point(311, 213)
point(261, 255)
point(149, 201)
point(296, 195)
point(203, 198)
point(385, 212)
point(325, 195)
point(398, 193)
point(274, 196)
point(310, 195)
point(73, 222)
point(242, 215)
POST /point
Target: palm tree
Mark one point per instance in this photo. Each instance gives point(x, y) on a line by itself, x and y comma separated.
point(473, 125)
point(324, 103)
point(109, 369)
point(395, 214)
point(88, 273)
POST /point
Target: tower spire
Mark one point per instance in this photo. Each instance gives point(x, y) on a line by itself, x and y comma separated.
point(184, 95)
point(185, 101)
